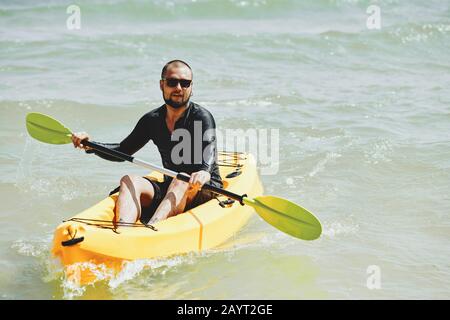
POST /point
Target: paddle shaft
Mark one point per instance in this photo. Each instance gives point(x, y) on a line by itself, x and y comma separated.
point(167, 172)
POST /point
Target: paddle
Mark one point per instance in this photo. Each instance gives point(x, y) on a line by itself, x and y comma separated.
point(283, 214)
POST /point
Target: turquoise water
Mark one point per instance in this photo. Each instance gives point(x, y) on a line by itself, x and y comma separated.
point(364, 139)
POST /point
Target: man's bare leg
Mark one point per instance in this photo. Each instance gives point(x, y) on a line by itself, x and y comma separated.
point(134, 192)
point(178, 195)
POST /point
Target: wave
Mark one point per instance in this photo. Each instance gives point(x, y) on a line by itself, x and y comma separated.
point(162, 9)
point(115, 12)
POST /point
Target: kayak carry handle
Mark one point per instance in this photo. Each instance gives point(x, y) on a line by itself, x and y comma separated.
point(72, 241)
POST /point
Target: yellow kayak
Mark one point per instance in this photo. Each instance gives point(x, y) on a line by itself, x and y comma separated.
point(89, 242)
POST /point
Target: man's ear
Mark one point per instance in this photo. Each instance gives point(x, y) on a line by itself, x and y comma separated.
point(161, 85)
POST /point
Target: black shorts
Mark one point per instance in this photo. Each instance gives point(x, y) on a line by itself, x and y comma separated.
point(160, 189)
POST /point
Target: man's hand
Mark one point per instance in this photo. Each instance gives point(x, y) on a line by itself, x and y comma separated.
point(77, 138)
point(198, 179)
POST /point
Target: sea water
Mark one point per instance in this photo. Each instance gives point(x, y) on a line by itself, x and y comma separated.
point(356, 92)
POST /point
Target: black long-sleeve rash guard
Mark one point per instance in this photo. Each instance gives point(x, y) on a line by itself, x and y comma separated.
point(201, 145)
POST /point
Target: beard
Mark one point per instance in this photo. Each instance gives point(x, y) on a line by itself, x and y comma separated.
point(174, 104)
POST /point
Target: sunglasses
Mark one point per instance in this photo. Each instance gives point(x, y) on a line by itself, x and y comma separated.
point(174, 82)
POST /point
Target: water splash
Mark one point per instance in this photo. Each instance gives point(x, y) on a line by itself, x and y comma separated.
point(131, 269)
point(23, 173)
point(72, 290)
point(36, 182)
point(30, 248)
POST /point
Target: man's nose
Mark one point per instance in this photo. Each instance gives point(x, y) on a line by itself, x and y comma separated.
point(178, 87)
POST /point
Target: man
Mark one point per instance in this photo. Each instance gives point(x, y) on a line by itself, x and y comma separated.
point(150, 201)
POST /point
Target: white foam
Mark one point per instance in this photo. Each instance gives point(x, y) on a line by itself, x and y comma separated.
point(336, 228)
point(133, 268)
point(30, 249)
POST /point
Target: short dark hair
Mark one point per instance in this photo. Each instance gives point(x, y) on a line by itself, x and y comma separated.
point(166, 66)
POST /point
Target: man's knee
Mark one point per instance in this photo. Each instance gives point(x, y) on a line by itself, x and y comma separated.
point(129, 178)
point(137, 184)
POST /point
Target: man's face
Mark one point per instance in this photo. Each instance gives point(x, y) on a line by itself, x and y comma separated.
point(178, 95)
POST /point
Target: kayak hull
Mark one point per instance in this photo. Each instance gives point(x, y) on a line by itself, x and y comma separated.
point(87, 249)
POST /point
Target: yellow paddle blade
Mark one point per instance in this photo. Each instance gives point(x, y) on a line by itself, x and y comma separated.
point(287, 216)
point(46, 129)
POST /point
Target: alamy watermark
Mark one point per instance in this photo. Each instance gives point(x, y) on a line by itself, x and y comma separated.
point(374, 20)
point(374, 279)
point(263, 144)
point(73, 22)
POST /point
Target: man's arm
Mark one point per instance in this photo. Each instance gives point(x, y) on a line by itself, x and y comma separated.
point(131, 144)
point(202, 173)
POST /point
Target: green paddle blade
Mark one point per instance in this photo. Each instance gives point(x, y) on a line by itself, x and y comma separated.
point(46, 129)
point(286, 216)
